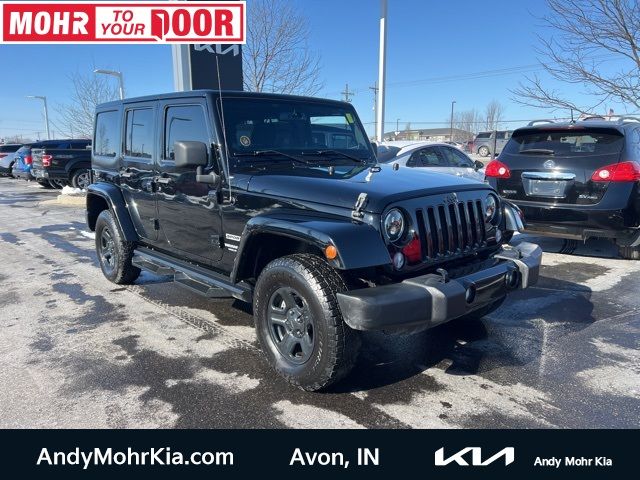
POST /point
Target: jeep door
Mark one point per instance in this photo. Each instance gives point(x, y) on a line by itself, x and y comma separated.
point(189, 212)
point(137, 169)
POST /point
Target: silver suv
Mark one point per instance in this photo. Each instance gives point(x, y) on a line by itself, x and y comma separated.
point(483, 143)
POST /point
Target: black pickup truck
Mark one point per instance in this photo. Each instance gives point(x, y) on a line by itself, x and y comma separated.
point(279, 201)
point(67, 164)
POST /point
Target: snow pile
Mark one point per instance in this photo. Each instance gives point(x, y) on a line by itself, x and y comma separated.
point(67, 190)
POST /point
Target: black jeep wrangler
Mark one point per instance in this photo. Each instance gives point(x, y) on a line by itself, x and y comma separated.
point(279, 201)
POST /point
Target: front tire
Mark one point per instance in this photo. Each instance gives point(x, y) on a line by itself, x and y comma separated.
point(44, 184)
point(299, 323)
point(629, 253)
point(114, 253)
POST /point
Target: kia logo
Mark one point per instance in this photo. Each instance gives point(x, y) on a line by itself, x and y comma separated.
point(476, 457)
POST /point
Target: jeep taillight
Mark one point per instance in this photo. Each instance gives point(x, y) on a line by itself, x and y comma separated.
point(46, 160)
point(497, 169)
point(618, 172)
point(28, 160)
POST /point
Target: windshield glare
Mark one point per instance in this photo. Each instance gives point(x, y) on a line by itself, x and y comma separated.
point(292, 127)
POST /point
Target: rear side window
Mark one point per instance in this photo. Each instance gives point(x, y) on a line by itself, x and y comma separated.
point(483, 135)
point(139, 135)
point(566, 142)
point(9, 148)
point(107, 134)
point(184, 123)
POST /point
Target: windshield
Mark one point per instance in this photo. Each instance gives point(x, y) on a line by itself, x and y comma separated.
point(311, 131)
point(566, 142)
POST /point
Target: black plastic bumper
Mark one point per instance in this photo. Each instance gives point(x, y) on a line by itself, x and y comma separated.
point(426, 301)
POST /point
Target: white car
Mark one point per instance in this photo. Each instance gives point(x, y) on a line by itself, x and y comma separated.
point(437, 157)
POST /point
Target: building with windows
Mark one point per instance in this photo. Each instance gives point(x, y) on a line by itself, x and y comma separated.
point(430, 134)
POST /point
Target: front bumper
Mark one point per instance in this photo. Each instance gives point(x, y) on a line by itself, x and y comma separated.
point(423, 302)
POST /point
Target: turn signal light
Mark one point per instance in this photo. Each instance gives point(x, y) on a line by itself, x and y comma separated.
point(413, 250)
point(618, 172)
point(46, 160)
point(330, 252)
point(497, 169)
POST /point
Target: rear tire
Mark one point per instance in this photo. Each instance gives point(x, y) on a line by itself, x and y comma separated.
point(114, 253)
point(299, 323)
point(483, 151)
point(629, 253)
point(81, 178)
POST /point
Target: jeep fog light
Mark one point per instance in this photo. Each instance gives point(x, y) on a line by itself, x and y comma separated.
point(398, 261)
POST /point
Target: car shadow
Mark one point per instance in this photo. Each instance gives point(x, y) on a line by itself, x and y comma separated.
point(516, 334)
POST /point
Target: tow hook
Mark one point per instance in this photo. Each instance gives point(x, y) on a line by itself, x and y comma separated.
point(444, 275)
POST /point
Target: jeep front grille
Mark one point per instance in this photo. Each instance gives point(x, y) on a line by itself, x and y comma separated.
point(451, 229)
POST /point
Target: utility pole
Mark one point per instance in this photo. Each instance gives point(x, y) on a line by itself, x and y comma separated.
point(382, 71)
point(451, 131)
point(375, 106)
point(347, 93)
point(46, 112)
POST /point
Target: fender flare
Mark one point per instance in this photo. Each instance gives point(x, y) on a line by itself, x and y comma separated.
point(112, 195)
point(359, 245)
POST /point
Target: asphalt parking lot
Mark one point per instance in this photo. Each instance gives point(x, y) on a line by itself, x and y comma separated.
point(78, 351)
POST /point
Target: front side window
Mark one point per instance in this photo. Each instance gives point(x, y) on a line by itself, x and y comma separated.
point(184, 123)
point(456, 158)
point(107, 134)
point(427, 157)
point(139, 134)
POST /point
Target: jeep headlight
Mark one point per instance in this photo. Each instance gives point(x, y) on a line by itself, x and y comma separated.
point(394, 225)
point(491, 208)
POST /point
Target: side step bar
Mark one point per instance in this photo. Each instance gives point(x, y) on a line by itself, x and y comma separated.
point(197, 279)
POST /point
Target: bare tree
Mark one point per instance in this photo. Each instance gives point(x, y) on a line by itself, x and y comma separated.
point(277, 57)
point(75, 119)
point(466, 121)
point(588, 34)
point(493, 115)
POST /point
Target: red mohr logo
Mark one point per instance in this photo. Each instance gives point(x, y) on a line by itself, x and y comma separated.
point(133, 22)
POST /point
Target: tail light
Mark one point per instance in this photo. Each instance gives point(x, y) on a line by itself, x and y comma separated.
point(28, 160)
point(413, 250)
point(46, 160)
point(618, 172)
point(497, 169)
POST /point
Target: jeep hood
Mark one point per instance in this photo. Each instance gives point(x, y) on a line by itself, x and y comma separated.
point(382, 188)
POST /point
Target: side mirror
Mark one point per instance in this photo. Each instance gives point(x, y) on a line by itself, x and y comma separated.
point(375, 146)
point(190, 154)
point(478, 165)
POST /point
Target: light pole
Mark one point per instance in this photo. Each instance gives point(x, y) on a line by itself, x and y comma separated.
point(397, 127)
point(451, 131)
point(46, 112)
point(382, 72)
point(114, 73)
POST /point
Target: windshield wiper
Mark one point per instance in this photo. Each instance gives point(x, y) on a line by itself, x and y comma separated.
point(538, 151)
point(336, 152)
point(264, 153)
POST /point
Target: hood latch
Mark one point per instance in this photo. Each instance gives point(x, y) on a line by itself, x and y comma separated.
point(357, 212)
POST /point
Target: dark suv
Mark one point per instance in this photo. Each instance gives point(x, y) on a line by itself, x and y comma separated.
point(279, 201)
point(575, 180)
